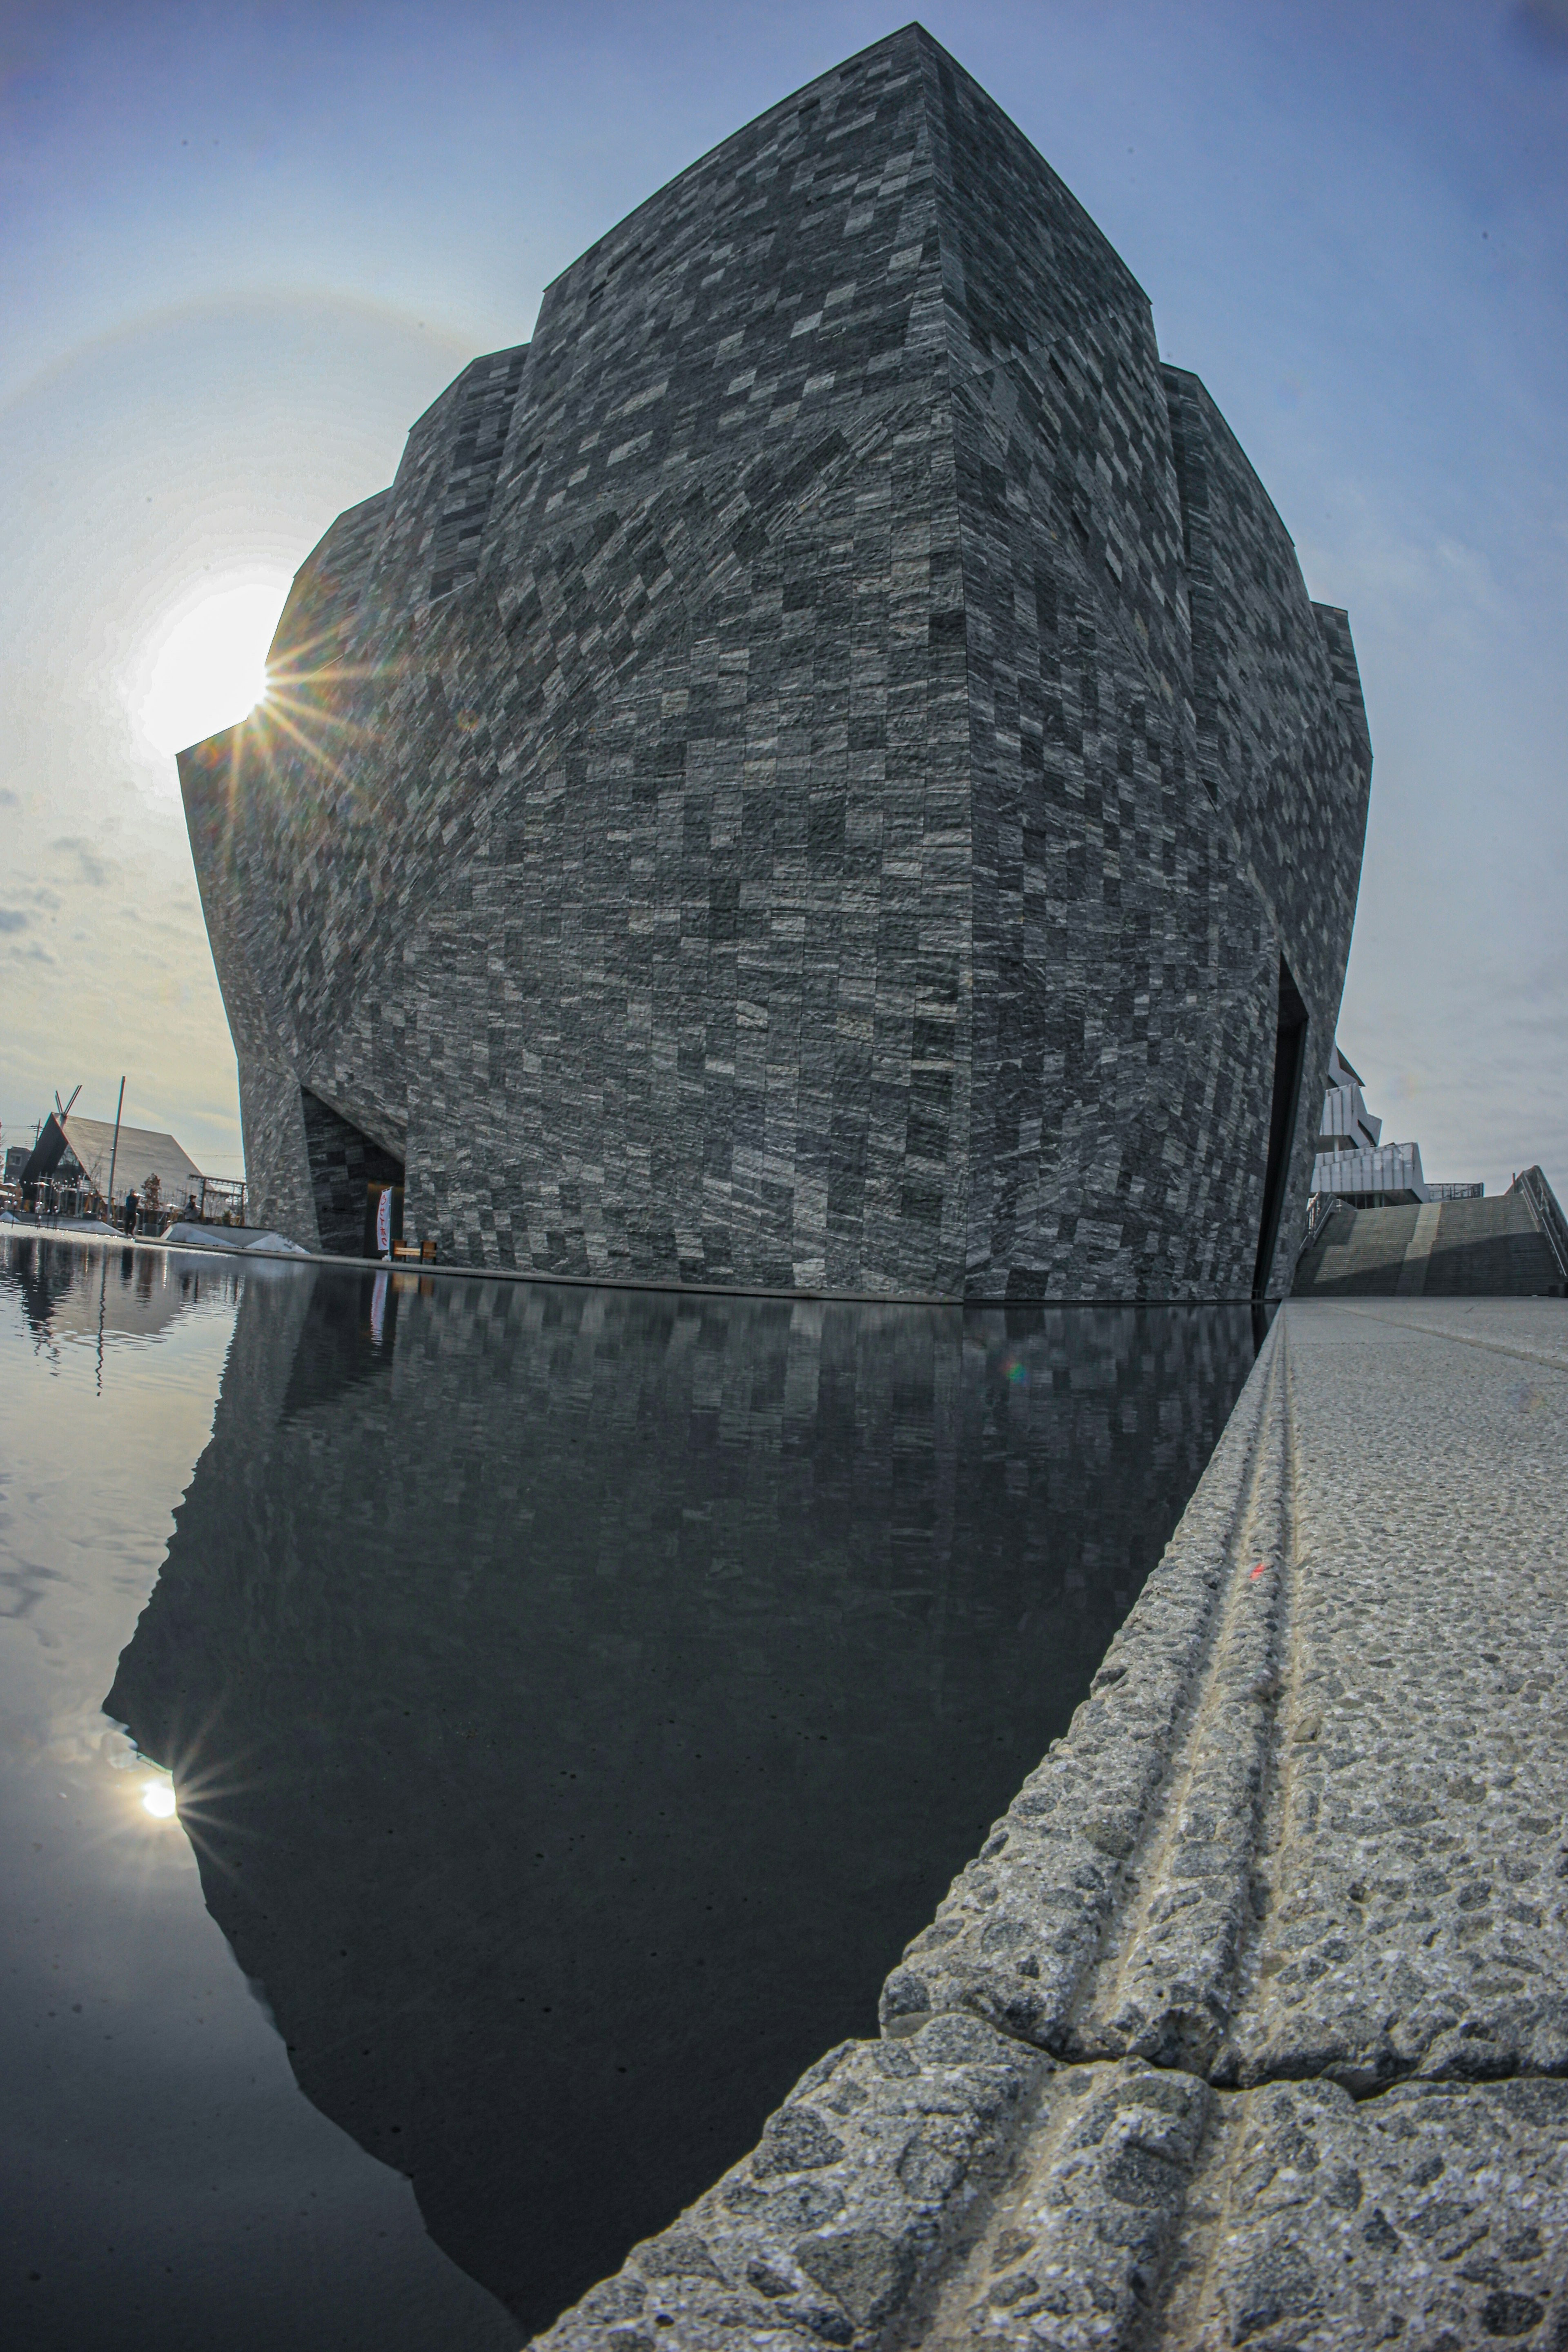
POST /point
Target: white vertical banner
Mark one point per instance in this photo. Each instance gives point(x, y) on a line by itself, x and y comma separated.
point(383, 1223)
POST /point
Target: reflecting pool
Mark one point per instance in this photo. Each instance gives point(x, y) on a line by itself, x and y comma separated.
point(525, 1720)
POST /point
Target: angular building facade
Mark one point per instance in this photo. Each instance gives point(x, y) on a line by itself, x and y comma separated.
point(821, 773)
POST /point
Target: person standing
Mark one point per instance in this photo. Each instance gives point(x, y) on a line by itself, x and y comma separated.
point(132, 1205)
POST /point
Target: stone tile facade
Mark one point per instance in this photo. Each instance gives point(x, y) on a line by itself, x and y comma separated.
point(807, 777)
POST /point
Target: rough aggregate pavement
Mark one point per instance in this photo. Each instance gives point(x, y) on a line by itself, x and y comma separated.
point(1249, 2022)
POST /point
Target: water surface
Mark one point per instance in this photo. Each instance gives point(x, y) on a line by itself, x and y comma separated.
point(574, 1698)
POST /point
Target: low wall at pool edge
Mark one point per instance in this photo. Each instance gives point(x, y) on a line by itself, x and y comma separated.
point(1249, 2024)
point(877, 2170)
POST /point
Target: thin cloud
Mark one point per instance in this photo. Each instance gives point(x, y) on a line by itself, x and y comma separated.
point(94, 870)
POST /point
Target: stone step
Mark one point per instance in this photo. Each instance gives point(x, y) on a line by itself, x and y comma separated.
point(1445, 1249)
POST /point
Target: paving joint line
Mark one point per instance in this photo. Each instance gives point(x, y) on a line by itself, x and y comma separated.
point(1435, 1331)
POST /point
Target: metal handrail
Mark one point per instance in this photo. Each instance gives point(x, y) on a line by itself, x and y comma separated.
point(1319, 1208)
point(1542, 1202)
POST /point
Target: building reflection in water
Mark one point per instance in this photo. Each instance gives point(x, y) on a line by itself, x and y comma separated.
point(71, 1289)
point(576, 1697)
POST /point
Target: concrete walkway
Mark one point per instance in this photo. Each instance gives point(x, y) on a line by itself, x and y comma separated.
point(1249, 2023)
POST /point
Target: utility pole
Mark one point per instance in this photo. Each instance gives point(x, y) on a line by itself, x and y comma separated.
point(114, 1153)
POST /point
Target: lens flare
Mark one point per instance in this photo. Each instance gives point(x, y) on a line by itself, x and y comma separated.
point(210, 669)
point(158, 1798)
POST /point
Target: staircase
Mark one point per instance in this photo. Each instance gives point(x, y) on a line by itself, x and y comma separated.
point(1502, 1248)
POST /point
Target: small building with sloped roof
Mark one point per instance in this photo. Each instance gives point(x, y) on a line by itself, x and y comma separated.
point(75, 1150)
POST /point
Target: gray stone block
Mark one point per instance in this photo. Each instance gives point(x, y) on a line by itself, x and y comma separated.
point(1287, 1902)
point(1076, 2246)
point(1430, 2216)
point(1309, 1819)
point(1024, 1927)
point(806, 779)
point(834, 2228)
point(1413, 1846)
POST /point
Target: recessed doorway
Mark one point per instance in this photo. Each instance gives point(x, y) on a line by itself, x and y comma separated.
point(1289, 1060)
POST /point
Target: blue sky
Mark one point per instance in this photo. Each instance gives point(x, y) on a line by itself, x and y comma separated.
point(243, 246)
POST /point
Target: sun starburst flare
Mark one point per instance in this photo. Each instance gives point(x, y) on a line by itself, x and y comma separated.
point(209, 667)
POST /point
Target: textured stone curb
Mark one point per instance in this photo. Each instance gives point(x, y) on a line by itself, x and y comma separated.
point(1018, 1935)
point(1246, 2024)
point(861, 2185)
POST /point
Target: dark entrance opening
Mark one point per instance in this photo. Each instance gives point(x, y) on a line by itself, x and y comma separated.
point(1290, 1059)
point(344, 1164)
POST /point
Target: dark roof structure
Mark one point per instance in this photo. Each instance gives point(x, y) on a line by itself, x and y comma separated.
point(821, 773)
point(142, 1151)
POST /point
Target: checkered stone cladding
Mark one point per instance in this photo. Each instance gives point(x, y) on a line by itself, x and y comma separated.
point(806, 778)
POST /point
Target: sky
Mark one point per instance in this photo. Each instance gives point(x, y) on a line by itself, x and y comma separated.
point(243, 246)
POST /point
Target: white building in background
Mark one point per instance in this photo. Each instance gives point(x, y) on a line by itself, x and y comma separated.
point(1346, 1125)
point(1355, 1165)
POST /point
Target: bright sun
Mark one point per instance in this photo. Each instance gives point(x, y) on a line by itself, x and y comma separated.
point(210, 667)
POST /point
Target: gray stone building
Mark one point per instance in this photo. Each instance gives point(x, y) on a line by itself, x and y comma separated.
point(821, 773)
